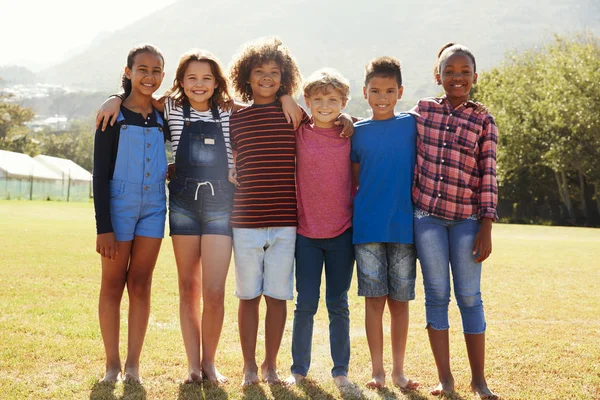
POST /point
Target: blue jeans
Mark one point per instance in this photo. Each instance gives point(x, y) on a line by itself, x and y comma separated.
point(444, 245)
point(338, 255)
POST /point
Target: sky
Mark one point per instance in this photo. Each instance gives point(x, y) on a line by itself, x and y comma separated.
point(39, 33)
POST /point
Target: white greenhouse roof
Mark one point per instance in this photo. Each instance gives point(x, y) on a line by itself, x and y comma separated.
point(18, 165)
point(64, 168)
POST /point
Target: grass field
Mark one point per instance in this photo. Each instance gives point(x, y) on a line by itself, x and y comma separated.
point(541, 291)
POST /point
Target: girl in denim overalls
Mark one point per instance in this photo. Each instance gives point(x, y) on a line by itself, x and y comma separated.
point(197, 108)
point(129, 198)
point(200, 203)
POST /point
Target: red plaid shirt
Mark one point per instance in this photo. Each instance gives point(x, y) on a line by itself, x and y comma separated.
point(455, 172)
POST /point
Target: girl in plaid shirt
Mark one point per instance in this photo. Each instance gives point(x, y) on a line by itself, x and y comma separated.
point(455, 195)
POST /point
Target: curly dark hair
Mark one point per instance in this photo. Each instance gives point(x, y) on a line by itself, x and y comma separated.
point(220, 97)
point(259, 52)
point(388, 67)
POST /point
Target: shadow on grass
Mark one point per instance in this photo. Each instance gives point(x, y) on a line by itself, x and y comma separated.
point(281, 391)
point(252, 392)
point(103, 391)
point(205, 390)
point(313, 390)
point(133, 391)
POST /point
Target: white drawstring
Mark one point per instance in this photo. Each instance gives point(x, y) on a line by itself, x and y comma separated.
point(212, 189)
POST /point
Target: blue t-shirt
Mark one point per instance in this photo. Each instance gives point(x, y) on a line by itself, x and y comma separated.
point(385, 150)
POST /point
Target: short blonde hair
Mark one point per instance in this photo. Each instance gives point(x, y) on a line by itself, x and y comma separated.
point(325, 80)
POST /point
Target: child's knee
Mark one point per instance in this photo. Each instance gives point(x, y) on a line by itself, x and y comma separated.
point(468, 302)
point(139, 286)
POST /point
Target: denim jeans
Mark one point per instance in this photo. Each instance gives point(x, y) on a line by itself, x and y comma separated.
point(338, 255)
point(444, 245)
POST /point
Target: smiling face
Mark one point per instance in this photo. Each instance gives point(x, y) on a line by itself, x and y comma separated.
point(146, 73)
point(457, 75)
point(382, 93)
point(199, 84)
point(325, 106)
point(265, 81)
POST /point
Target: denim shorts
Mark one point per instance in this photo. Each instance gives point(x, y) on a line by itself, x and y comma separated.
point(200, 207)
point(386, 269)
point(264, 262)
point(137, 210)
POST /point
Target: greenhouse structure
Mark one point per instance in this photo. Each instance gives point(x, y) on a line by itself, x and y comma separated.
point(42, 178)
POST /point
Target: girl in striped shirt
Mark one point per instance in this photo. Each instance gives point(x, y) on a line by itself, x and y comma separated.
point(455, 195)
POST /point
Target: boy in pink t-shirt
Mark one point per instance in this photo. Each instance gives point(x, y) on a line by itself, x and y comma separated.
point(324, 190)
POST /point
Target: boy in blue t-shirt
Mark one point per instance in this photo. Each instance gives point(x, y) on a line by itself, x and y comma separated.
point(383, 159)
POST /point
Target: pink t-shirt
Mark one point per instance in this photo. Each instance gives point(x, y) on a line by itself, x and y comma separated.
point(323, 182)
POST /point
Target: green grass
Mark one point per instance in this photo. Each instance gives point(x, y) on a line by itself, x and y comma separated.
point(540, 290)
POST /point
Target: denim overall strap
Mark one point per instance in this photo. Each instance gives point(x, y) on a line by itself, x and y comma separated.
point(201, 153)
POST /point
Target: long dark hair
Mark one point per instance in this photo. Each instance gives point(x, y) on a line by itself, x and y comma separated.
point(145, 48)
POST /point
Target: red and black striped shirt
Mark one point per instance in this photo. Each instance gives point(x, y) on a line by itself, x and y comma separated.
point(265, 147)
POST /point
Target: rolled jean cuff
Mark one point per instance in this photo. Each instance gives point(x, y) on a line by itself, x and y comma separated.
point(475, 331)
point(436, 328)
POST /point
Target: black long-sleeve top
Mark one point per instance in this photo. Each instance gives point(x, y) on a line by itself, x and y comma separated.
point(106, 147)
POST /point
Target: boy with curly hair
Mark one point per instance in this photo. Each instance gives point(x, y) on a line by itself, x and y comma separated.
point(264, 217)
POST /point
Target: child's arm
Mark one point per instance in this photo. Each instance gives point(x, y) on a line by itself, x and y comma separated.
point(106, 244)
point(488, 192)
point(483, 240)
point(109, 110)
point(347, 123)
point(292, 111)
point(355, 173)
point(232, 175)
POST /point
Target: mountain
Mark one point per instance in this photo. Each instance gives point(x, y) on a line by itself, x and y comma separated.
point(339, 34)
point(16, 75)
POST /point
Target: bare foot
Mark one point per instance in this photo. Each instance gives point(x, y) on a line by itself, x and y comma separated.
point(112, 375)
point(213, 375)
point(250, 375)
point(194, 377)
point(378, 382)
point(269, 375)
point(443, 388)
point(293, 379)
point(131, 375)
point(403, 382)
point(342, 381)
point(483, 392)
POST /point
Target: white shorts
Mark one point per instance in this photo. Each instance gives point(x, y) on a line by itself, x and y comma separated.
point(264, 262)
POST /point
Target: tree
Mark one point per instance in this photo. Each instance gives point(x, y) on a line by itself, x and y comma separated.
point(546, 102)
point(13, 132)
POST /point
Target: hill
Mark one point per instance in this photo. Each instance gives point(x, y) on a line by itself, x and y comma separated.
point(339, 34)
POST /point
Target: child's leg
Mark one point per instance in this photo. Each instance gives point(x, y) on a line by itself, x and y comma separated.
point(189, 275)
point(248, 251)
point(216, 256)
point(278, 287)
point(374, 307)
point(309, 267)
point(372, 269)
point(339, 265)
point(431, 240)
point(248, 327)
point(144, 252)
point(402, 261)
point(466, 274)
point(114, 277)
